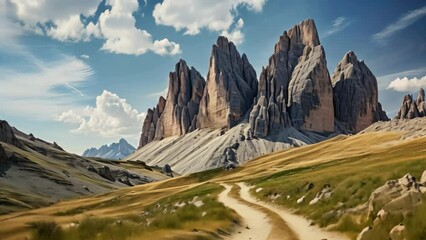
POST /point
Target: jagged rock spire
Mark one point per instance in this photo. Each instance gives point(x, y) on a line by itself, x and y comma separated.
point(355, 94)
point(230, 88)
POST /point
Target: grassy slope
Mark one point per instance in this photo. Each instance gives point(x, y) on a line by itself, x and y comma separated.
point(354, 166)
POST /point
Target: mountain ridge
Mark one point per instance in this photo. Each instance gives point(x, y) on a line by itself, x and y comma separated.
point(115, 151)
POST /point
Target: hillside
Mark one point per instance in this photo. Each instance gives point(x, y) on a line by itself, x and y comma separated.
point(369, 160)
point(35, 173)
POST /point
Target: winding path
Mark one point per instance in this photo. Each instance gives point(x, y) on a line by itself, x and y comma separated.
point(254, 213)
point(257, 226)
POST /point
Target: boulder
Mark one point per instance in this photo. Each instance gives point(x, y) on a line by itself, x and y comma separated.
point(105, 172)
point(186, 87)
point(7, 135)
point(231, 86)
point(366, 234)
point(395, 196)
point(397, 232)
point(324, 193)
point(423, 178)
point(355, 94)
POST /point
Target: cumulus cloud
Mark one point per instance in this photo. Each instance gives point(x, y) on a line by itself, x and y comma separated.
point(112, 116)
point(85, 56)
point(338, 25)
point(64, 20)
point(403, 22)
point(407, 85)
point(69, 117)
point(192, 15)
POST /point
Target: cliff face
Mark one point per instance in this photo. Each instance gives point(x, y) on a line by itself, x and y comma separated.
point(294, 88)
point(150, 123)
point(355, 94)
point(178, 114)
point(295, 91)
point(230, 87)
point(186, 87)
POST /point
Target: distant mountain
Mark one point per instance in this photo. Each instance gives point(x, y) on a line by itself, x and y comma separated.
point(115, 151)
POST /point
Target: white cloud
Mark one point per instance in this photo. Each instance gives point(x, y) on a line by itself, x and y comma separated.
point(85, 56)
point(235, 35)
point(46, 89)
point(403, 22)
point(339, 24)
point(117, 27)
point(385, 80)
point(407, 85)
point(62, 20)
point(69, 117)
point(192, 15)
point(111, 117)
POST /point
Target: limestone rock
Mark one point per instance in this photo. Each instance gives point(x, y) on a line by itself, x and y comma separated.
point(421, 104)
point(186, 86)
point(397, 232)
point(105, 172)
point(230, 88)
point(396, 196)
point(366, 234)
point(7, 135)
point(356, 94)
point(149, 126)
point(408, 109)
point(296, 81)
point(324, 193)
point(310, 93)
point(423, 178)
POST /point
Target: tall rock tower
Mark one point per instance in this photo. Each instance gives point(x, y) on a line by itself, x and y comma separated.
point(231, 86)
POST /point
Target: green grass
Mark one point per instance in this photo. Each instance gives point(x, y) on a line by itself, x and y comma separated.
point(352, 179)
point(415, 223)
point(159, 216)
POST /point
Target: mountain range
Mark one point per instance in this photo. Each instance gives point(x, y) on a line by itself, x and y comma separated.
point(231, 116)
point(115, 151)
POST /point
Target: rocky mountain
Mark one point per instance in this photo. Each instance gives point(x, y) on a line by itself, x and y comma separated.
point(150, 123)
point(295, 102)
point(355, 93)
point(35, 173)
point(412, 109)
point(294, 88)
point(115, 151)
point(230, 87)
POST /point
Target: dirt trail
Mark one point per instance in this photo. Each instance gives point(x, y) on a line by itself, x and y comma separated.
point(298, 224)
point(256, 223)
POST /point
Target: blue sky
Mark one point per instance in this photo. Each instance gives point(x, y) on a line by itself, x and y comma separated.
point(82, 73)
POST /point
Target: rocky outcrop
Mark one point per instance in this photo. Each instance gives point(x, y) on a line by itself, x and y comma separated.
point(412, 109)
point(355, 94)
point(421, 104)
point(230, 88)
point(295, 88)
point(186, 86)
point(150, 123)
point(7, 135)
point(393, 201)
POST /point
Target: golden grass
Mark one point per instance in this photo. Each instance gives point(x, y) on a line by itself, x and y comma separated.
point(342, 156)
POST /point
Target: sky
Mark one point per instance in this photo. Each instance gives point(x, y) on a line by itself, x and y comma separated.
point(84, 72)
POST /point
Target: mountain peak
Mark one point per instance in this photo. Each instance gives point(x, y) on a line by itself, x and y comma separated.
point(114, 151)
